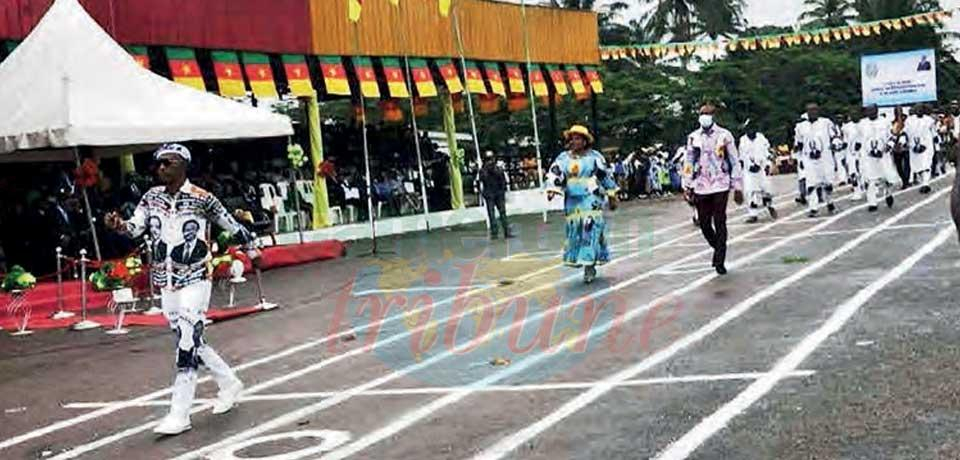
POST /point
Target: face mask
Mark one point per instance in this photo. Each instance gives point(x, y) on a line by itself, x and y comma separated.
point(706, 121)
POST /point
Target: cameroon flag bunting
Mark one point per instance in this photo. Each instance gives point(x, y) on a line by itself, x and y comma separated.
point(396, 83)
point(593, 76)
point(184, 68)
point(559, 83)
point(515, 79)
point(260, 75)
point(229, 76)
point(474, 79)
point(492, 71)
point(368, 78)
point(450, 77)
point(423, 78)
point(334, 76)
point(298, 75)
point(354, 8)
point(537, 82)
point(576, 81)
point(444, 6)
point(139, 54)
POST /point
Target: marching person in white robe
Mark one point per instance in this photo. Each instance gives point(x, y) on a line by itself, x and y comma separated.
point(921, 130)
point(755, 159)
point(813, 140)
point(850, 130)
point(879, 172)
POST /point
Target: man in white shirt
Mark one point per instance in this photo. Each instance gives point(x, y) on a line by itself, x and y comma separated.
point(879, 172)
point(850, 132)
point(813, 140)
point(755, 157)
point(921, 131)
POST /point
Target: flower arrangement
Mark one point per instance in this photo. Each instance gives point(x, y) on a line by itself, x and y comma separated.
point(88, 174)
point(18, 279)
point(296, 156)
point(326, 169)
point(116, 275)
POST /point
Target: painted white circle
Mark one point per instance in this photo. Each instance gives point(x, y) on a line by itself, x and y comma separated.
point(331, 439)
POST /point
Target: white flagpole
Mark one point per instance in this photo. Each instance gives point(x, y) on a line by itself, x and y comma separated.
point(533, 101)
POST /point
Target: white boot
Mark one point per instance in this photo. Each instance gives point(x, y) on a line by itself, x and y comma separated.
point(178, 420)
point(230, 386)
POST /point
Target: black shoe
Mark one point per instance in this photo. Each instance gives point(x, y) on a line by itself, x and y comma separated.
point(589, 274)
point(890, 201)
point(872, 209)
point(800, 200)
point(812, 214)
point(721, 270)
point(696, 222)
point(753, 219)
point(925, 189)
point(773, 213)
point(831, 208)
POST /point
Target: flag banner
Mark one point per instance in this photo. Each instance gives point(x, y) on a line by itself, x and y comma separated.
point(367, 77)
point(260, 76)
point(474, 79)
point(226, 66)
point(334, 76)
point(559, 83)
point(515, 79)
point(492, 71)
point(298, 75)
point(576, 81)
point(354, 8)
point(539, 84)
point(139, 54)
point(184, 68)
point(396, 81)
point(423, 78)
point(593, 77)
point(449, 73)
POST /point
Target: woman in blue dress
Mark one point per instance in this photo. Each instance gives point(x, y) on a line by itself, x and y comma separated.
point(581, 176)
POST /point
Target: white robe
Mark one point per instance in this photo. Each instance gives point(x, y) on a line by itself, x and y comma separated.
point(921, 131)
point(851, 135)
point(874, 136)
point(755, 153)
point(812, 137)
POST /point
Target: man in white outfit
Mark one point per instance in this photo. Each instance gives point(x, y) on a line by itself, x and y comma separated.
point(183, 210)
point(921, 131)
point(879, 173)
point(813, 140)
point(854, 148)
point(755, 158)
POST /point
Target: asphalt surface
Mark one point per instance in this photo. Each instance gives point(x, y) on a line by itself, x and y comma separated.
point(831, 338)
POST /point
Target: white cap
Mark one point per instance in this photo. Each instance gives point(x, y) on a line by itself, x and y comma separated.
point(175, 149)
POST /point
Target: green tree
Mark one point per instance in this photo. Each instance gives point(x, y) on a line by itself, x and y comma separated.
point(827, 13)
point(875, 10)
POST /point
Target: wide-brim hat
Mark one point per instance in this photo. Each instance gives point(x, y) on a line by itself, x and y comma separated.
point(579, 130)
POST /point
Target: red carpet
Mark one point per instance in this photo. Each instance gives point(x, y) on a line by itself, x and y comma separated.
point(10, 324)
point(43, 298)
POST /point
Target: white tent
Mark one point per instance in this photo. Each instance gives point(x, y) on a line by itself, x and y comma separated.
point(70, 84)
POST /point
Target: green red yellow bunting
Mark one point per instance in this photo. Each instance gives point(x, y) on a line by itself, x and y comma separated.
point(184, 68)
point(474, 78)
point(576, 81)
point(226, 66)
point(334, 76)
point(449, 73)
point(593, 77)
point(422, 78)
point(257, 66)
point(298, 75)
point(537, 81)
point(396, 83)
point(367, 77)
point(492, 71)
point(559, 82)
point(515, 79)
point(139, 54)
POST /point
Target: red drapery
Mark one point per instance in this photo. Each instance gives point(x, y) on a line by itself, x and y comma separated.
point(279, 26)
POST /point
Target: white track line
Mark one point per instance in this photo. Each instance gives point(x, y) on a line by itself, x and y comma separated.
point(412, 417)
point(490, 389)
point(422, 289)
point(293, 416)
point(510, 443)
point(74, 421)
point(80, 450)
point(709, 426)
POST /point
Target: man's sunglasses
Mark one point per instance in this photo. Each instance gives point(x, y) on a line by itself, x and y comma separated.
point(166, 162)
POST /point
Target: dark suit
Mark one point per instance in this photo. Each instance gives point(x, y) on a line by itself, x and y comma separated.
point(159, 252)
point(198, 254)
point(494, 185)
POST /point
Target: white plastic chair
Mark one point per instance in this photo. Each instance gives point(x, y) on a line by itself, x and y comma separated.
point(336, 215)
point(268, 201)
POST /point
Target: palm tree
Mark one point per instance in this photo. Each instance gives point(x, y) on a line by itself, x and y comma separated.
point(719, 18)
point(875, 10)
point(685, 20)
point(827, 13)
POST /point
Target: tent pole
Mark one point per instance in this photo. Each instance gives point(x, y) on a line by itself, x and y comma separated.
point(416, 145)
point(533, 100)
point(86, 204)
point(366, 162)
point(473, 116)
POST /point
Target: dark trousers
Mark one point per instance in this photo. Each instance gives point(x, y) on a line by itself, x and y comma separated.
point(497, 203)
point(902, 161)
point(712, 211)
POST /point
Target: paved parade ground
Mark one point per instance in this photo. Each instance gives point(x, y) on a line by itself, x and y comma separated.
point(831, 338)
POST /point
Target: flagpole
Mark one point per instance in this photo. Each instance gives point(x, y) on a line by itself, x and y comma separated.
point(533, 101)
point(413, 117)
point(366, 151)
point(466, 89)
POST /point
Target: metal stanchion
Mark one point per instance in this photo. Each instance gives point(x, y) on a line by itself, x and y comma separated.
point(121, 298)
point(20, 306)
point(61, 313)
point(84, 323)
